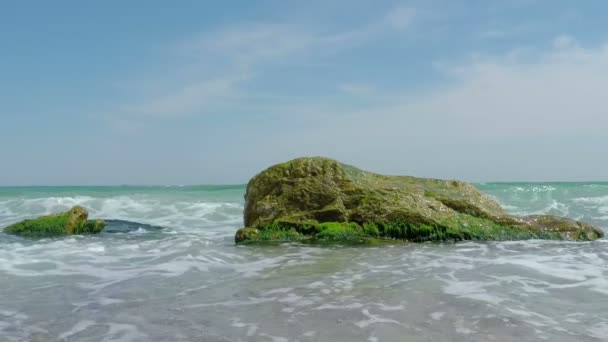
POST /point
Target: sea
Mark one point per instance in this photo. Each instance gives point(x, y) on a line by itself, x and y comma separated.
point(167, 269)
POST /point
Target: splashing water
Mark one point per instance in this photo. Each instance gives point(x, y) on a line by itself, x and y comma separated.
point(188, 281)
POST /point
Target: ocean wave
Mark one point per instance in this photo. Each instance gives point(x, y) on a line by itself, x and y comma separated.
point(535, 188)
point(359, 291)
point(166, 212)
point(601, 200)
point(555, 207)
point(97, 287)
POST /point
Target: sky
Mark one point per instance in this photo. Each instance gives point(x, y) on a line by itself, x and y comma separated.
point(202, 92)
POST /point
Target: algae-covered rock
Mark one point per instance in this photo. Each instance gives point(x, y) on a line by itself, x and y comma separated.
point(74, 221)
point(319, 199)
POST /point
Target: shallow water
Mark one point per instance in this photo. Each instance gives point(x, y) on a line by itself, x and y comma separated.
point(189, 282)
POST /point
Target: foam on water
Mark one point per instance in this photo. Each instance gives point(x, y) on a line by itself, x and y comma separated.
point(178, 276)
point(146, 209)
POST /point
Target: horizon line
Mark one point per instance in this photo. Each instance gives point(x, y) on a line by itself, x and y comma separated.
point(245, 184)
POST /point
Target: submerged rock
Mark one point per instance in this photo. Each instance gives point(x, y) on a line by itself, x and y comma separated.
point(74, 221)
point(319, 199)
point(122, 226)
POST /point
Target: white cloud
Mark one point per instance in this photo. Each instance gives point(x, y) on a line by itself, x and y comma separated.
point(239, 53)
point(251, 44)
point(400, 18)
point(499, 112)
point(196, 97)
point(564, 42)
point(561, 91)
point(507, 33)
point(357, 88)
point(236, 55)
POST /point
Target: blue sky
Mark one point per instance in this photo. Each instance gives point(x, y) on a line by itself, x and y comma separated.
point(195, 92)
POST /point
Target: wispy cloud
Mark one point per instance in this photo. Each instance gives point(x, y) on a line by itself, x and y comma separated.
point(248, 45)
point(191, 98)
point(236, 55)
point(400, 18)
point(493, 109)
point(357, 89)
point(559, 91)
point(564, 41)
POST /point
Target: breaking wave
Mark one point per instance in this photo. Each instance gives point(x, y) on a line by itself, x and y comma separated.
point(166, 268)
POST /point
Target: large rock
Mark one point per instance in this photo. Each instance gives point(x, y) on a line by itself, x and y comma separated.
point(319, 199)
point(74, 221)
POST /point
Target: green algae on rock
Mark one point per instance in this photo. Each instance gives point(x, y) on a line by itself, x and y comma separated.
point(73, 222)
point(320, 200)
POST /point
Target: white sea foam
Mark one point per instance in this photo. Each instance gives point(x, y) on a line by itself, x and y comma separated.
point(599, 330)
point(252, 328)
point(188, 281)
point(437, 315)
point(472, 290)
point(146, 209)
point(592, 200)
point(78, 327)
point(374, 319)
point(534, 188)
point(340, 307)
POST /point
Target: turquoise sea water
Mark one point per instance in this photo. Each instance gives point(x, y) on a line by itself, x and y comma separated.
point(174, 274)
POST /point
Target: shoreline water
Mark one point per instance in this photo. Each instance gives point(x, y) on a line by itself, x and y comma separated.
point(189, 281)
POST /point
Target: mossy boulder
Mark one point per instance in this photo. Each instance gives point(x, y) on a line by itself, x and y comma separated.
point(320, 199)
point(73, 222)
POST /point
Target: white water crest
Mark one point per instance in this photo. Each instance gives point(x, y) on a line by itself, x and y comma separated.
point(176, 275)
